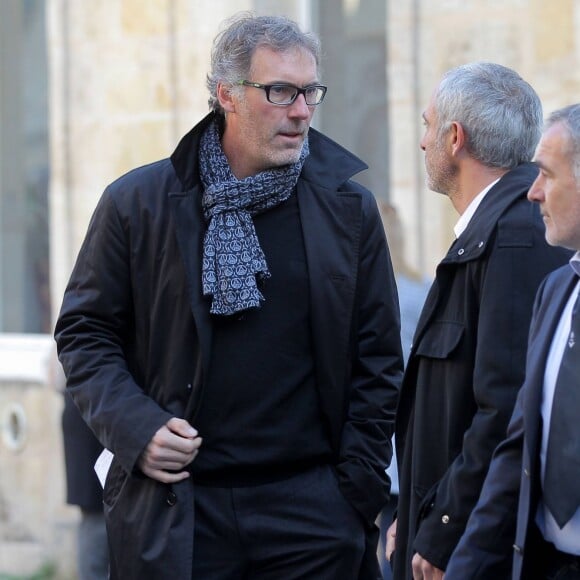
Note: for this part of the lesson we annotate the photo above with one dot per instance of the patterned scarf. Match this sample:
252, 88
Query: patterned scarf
233, 260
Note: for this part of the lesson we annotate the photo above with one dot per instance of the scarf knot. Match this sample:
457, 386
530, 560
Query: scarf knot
233, 261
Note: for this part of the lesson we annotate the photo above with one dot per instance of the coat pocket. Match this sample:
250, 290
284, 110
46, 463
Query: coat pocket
150, 534
114, 483
440, 340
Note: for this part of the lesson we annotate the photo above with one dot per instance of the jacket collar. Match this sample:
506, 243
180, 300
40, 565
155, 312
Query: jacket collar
185, 158
328, 164
512, 187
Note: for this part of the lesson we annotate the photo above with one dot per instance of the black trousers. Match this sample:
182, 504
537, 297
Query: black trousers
298, 528
558, 565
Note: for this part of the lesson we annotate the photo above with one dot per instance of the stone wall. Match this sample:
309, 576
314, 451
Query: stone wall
36, 527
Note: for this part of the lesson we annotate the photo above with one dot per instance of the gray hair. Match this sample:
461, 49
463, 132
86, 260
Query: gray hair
500, 113
570, 117
235, 45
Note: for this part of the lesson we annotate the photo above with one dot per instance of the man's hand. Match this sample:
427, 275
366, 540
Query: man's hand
391, 540
423, 570
173, 447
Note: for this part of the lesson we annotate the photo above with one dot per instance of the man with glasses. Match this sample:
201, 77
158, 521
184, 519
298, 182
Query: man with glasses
231, 334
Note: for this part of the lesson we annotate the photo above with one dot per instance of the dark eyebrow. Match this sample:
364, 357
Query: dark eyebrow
286, 84
540, 166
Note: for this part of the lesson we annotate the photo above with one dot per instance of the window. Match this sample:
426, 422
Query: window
355, 111
24, 169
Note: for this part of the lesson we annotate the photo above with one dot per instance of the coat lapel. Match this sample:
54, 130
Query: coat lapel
553, 304
189, 229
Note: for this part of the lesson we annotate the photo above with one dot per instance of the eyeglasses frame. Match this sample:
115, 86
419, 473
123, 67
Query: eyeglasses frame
299, 91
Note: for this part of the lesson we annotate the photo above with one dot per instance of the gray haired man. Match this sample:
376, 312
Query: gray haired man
230, 332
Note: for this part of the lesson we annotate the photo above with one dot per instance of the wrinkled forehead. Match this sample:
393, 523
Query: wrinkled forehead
266, 59
555, 145
556, 154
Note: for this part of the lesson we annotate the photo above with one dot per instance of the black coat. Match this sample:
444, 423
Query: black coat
501, 530
81, 449
466, 367
134, 337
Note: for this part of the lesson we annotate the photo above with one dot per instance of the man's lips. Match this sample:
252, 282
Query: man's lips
291, 134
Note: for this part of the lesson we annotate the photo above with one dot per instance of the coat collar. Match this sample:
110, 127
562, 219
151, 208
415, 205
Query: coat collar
508, 190
185, 158
328, 165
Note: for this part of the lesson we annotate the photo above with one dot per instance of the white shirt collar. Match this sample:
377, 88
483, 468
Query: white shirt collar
575, 262
466, 216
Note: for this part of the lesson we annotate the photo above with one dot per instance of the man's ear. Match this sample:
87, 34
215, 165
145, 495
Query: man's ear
457, 138
225, 98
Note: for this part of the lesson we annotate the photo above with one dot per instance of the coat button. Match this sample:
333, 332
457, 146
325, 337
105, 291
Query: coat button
171, 498
527, 472
480, 245
445, 519
461, 251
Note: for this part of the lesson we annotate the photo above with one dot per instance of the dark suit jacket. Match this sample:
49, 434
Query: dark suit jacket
134, 337
502, 514
466, 367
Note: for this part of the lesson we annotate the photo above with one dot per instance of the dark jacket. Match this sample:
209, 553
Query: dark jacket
134, 337
81, 449
487, 550
465, 368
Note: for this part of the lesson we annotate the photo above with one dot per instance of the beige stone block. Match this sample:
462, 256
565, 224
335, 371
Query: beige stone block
32, 481
139, 85
191, 72
145, 17
553, 29
139, 143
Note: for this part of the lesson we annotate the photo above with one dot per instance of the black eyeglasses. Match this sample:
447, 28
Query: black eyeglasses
283, 94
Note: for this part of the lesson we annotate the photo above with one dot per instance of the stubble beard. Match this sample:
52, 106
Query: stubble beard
441, 181
283, 157
441, 174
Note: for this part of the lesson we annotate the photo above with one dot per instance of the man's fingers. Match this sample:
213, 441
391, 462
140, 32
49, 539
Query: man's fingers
390, 543
182, 428
165, 476
173, 461
170, 451
175, 457
167, 440
424, 570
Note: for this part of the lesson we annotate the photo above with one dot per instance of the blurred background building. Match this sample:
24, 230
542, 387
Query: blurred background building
89, 90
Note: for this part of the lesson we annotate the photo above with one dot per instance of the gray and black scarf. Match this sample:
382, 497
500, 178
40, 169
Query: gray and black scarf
233, 260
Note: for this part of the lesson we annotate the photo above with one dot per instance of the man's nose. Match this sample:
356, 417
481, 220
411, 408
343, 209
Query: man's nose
536, 192
299, 108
